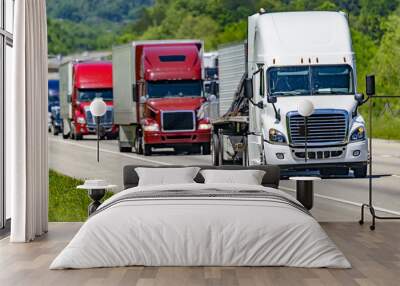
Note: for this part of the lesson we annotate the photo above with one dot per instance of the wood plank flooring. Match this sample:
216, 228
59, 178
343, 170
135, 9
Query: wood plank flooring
375, 257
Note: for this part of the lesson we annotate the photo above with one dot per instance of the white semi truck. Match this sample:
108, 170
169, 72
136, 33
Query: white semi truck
290, 59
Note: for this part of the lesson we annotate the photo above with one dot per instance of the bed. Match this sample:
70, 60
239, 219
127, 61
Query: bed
201, 224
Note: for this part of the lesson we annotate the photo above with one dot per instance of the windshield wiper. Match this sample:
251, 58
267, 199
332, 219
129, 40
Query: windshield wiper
328, 92
294, 92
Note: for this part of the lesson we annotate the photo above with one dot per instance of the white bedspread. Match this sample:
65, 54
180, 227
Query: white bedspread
200, 231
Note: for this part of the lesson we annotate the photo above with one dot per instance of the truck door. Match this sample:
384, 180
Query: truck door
255, 115
141, 89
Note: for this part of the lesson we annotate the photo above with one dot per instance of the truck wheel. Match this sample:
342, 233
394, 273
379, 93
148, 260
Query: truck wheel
138, 145
147, 149
328, 172
125, 149
112, 136
194, 149
55, 130
206, 149
78, 136
360, 172
215, 150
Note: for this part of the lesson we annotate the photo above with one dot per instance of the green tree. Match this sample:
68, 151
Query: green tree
386, 63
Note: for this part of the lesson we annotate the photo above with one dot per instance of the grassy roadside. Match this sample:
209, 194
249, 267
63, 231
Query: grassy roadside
66, 203
385, 127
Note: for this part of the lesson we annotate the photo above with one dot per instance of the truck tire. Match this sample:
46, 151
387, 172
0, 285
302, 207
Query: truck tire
55, 130
124, 149
206, 149
112, 136
66, 129
215, 150
328, 172
195, 149
360, 172
77, 136
138, 145
147, 149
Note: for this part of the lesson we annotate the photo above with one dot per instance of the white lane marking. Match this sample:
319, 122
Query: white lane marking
111, 152
346, 202
5, 238
396, 176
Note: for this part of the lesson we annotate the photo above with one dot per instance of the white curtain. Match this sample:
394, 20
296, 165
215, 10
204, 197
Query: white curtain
27, 123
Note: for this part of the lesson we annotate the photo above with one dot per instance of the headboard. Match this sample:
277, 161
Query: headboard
270, 179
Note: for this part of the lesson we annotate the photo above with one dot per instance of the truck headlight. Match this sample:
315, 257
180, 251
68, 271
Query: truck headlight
81, 120
153, 127
276, 136
205, 126
358, 134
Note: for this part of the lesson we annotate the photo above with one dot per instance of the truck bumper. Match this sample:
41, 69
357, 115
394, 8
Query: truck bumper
351, 155
171, 139
84, 129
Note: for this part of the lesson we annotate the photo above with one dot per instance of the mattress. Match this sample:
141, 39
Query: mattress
201, 225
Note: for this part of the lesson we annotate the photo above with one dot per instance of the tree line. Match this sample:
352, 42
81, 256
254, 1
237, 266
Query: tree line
375, 26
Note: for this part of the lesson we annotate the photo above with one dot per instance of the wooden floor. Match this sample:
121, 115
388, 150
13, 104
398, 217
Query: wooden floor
375, 257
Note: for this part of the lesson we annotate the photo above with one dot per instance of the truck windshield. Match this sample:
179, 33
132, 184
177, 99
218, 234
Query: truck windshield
86, 95
174, 88
310, 80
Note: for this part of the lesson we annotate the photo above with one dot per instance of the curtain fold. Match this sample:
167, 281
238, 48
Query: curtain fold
27, 123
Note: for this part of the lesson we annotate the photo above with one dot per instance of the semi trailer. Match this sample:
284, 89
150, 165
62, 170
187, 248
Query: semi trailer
159, 98
80, 83
289, 59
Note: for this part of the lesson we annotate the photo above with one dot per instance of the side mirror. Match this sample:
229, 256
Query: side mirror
248, 88
271, 99
359, 97
370, 85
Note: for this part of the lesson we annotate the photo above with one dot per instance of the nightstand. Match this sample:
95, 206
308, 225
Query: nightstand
96, 190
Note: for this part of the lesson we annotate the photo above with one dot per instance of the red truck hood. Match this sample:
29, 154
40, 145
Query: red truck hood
186, 103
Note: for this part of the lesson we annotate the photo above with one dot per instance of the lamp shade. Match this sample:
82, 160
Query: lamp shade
98, 107
305, 108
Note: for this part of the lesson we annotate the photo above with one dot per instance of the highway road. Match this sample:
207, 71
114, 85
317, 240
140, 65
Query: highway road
337, 199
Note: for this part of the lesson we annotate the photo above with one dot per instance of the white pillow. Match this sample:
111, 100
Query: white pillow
166, 176
247, 177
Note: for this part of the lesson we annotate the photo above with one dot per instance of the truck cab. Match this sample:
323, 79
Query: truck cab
296, 57
168, 98
292, 60
82, 82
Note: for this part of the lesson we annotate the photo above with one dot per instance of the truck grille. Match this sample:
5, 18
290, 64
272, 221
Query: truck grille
325, 127
178, 121
105, 120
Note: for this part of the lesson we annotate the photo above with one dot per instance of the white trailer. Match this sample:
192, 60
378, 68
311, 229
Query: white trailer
291, 59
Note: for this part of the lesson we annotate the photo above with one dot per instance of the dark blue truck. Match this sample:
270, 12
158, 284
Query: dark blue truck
54, 119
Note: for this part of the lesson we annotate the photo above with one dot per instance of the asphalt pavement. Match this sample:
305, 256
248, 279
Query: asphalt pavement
336, 199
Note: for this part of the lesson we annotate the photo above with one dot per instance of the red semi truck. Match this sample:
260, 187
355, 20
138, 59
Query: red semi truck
80, 83
158, 89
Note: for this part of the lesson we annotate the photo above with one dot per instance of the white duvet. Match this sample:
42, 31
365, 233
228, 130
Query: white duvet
200, 231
